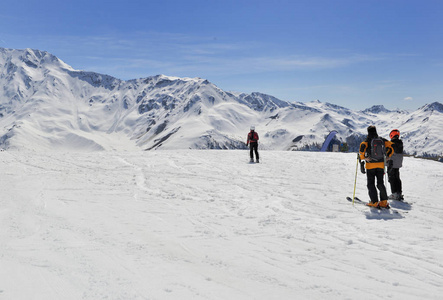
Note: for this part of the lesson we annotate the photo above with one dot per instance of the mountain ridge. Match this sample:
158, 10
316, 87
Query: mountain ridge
46, 104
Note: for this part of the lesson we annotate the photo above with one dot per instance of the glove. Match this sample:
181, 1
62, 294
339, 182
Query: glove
362, 167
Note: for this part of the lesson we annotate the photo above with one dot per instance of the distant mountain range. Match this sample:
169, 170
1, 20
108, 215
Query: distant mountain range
47, 105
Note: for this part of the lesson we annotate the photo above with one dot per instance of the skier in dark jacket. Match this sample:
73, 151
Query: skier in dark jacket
394, 165
375, 169
253, 144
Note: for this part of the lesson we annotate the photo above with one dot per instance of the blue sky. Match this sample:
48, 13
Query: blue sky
354, 53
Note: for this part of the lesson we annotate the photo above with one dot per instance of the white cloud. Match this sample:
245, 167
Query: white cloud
408, 99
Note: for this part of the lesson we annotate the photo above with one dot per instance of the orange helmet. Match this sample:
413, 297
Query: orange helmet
394, 133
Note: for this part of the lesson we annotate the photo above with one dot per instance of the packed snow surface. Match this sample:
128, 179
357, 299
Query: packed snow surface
201, 224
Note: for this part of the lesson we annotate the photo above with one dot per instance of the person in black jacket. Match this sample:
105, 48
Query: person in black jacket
394, 165
253, 144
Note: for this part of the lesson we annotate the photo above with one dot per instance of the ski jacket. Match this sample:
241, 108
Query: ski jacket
397, 157
364, 147
252, 137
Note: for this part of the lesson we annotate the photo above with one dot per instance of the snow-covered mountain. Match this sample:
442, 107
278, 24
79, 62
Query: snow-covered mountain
46, 104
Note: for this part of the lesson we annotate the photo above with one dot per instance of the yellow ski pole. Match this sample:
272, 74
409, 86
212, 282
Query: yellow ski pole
355, 181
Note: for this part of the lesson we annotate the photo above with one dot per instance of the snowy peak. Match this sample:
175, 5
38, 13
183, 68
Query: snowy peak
435, 106
37, 58
377, 109
174, 94
96, 79
262, 102
328, 107
31, 58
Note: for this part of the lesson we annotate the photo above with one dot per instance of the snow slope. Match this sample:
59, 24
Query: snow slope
205, 224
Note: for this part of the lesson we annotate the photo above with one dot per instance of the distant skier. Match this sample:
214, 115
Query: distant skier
394, 165
253, 144
374, 151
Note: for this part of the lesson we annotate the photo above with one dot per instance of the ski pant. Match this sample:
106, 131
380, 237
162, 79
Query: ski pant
253, 147
394, 180
371, 175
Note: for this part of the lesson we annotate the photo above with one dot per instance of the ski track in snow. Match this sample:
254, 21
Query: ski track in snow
196, 224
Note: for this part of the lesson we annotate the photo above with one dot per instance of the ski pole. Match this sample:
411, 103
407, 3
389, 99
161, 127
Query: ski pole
355, 181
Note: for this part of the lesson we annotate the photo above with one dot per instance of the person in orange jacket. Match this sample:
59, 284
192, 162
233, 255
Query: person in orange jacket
375, 167
252, 141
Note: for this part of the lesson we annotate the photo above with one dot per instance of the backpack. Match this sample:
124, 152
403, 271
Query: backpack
377, 150
253, 137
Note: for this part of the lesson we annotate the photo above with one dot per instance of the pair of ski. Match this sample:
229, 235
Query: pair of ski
361, 202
